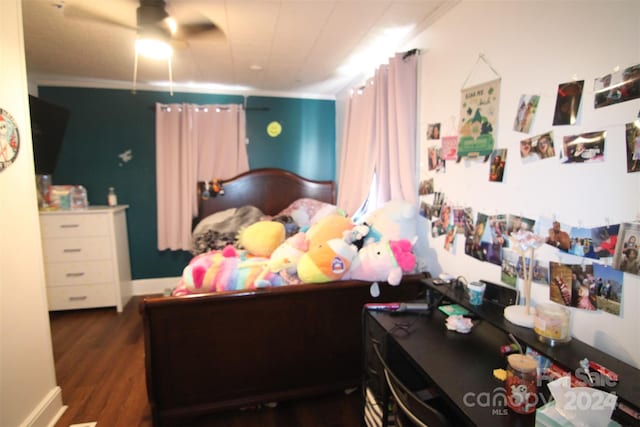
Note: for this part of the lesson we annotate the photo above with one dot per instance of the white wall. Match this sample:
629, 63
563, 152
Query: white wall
28, 392
534, 46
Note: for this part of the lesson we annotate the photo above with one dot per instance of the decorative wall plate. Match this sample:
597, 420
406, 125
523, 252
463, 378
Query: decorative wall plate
9, 140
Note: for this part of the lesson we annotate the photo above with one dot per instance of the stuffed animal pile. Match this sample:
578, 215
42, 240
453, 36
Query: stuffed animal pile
380, 248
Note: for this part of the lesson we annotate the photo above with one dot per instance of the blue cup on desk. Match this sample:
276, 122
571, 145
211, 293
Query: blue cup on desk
476, 292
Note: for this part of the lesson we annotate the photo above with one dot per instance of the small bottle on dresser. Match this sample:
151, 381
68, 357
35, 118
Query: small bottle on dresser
112, 199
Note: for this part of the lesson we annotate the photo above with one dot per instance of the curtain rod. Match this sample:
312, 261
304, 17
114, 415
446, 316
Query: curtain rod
153, 108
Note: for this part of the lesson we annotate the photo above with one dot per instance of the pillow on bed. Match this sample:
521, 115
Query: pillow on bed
217, 235
307, 211
211, 220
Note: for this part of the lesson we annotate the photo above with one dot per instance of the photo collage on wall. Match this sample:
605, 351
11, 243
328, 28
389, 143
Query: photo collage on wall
478, 121
612, 249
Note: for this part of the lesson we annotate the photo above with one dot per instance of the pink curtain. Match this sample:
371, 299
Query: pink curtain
193, 143
380, 138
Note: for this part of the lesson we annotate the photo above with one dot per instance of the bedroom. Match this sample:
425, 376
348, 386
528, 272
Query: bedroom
533, 49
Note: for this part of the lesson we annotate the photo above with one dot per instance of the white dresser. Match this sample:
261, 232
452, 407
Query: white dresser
86, 256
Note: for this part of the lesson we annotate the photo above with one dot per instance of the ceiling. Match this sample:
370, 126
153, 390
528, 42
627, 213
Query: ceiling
312, 48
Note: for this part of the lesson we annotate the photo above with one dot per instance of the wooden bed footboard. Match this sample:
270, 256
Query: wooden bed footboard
205, 353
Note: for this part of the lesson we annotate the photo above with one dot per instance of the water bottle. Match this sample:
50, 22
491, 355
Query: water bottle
112, 199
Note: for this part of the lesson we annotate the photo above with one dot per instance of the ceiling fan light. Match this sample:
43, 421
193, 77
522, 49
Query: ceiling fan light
153, 48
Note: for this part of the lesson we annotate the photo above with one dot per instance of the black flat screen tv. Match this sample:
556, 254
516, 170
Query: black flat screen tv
48, 126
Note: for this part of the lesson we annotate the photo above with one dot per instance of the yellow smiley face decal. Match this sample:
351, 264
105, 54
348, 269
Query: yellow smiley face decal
274, 129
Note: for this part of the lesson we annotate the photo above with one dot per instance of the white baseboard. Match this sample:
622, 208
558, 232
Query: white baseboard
47, 412
153, 286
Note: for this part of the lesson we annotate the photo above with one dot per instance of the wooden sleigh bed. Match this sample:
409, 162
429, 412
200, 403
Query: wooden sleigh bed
212, 352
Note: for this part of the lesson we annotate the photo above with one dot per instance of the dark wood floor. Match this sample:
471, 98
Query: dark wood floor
99, 360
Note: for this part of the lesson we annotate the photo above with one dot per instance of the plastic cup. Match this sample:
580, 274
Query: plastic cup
476, 292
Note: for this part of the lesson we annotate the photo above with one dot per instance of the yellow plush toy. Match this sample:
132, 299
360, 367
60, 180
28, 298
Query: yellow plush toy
262, 238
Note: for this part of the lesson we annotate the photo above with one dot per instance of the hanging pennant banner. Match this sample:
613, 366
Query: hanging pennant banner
478, 120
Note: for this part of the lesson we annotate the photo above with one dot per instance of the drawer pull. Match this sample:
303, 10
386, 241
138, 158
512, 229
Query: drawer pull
69, 225
82, 298
72, 250
75, 274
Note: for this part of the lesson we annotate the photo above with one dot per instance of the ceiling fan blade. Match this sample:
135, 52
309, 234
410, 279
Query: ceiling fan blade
74, 11
198, 28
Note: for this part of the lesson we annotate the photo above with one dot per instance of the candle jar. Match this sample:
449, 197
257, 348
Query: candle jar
552, 323
521, 383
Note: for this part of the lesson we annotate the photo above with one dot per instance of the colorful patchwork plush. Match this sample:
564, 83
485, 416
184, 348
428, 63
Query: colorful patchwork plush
225, 270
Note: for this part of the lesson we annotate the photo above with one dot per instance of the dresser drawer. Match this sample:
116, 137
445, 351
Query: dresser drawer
77, 249
85, 296
79, 273
74, 225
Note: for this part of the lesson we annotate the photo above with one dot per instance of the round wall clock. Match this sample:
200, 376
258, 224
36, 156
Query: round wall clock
9, 140
274, 129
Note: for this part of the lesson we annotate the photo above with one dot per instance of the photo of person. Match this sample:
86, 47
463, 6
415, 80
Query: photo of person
495, 232
473, 243
433, 131
586, 147
617, 87
604, 240
573, 285
557, 236
560, 276
580, 241
463, 220
540, 270
527, 153
426, 187
633, 146
543, 145
608, 283
450, 237
435, 161
568, 103
517, 223
526, 112
626, 256
497, 164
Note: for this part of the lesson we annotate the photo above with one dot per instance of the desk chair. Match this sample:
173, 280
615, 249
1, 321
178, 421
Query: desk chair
414, 411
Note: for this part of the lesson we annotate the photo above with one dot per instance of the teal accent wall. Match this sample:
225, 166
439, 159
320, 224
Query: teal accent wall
306, 145
105, 124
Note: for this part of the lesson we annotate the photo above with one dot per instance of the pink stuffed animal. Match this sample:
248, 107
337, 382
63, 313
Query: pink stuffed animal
382, 261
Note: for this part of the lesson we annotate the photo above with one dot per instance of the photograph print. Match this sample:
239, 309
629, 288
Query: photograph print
608, 288
626, 255
537, 147
604, 241
633, 146
497, 164
568, 103
526, 112
584, 148
617, 87
433, 131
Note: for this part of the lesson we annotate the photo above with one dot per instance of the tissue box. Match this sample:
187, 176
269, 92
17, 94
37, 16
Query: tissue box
548, 416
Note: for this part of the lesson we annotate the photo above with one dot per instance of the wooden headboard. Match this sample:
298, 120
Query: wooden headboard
269, 189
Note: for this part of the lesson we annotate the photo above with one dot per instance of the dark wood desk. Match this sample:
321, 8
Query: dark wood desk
461, 365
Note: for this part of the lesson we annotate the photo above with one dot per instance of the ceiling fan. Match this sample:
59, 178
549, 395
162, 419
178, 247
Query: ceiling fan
152, 21
157, 32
